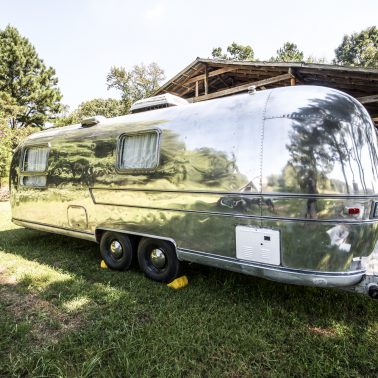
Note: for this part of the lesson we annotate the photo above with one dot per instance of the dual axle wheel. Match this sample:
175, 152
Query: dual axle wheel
157, 258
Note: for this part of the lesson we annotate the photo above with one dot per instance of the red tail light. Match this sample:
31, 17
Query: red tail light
353, 211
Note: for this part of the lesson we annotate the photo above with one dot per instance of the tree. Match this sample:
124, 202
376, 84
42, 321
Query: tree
240, 52
28, 89
315, 60
141, 82
5, 148
106, 107
359, 49
217, 53
9, 140
289, 52
235, 52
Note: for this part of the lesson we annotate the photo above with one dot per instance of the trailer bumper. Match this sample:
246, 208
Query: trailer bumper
276, 273
369, 282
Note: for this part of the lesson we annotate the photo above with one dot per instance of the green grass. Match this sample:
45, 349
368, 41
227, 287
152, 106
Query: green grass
63, 316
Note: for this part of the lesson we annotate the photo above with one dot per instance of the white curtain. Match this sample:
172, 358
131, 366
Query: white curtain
139, 151
34, 180
36, 159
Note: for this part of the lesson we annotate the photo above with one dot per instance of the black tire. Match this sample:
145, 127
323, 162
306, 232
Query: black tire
117, 256
165, 270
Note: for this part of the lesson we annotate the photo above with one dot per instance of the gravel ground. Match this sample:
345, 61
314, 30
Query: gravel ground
4, 194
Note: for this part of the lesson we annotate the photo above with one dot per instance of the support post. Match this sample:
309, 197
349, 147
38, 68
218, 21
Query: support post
292, 79
206, 83
197, 94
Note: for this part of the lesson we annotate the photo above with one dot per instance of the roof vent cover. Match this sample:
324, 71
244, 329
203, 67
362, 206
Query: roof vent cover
157, 102
92, 121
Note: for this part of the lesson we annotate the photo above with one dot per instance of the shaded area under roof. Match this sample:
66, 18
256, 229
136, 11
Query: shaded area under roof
205, 79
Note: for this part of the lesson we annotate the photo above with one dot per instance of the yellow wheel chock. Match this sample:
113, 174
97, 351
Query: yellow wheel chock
179, 283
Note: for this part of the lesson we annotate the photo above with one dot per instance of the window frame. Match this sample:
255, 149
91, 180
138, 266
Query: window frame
25, 173
120, 148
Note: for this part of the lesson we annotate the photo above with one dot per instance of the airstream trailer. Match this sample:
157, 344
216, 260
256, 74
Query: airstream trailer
280, 184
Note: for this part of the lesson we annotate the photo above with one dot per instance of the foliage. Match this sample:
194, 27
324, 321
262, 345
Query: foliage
315, 60
141, 82
359, 49
234, 52
9, 139
289, 52
5, 149
106, 107
28, 89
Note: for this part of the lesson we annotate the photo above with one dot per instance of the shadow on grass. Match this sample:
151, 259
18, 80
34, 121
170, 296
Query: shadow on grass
81, 258
238, 324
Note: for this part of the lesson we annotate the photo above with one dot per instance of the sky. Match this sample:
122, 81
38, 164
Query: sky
82, 39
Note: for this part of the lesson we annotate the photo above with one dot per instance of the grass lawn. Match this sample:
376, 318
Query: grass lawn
63, 316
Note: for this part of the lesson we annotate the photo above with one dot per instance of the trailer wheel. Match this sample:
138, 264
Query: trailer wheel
158, 260
117, 251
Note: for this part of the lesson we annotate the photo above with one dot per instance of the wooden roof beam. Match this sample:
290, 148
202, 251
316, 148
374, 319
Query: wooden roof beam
244, 87
368, 99
210, 74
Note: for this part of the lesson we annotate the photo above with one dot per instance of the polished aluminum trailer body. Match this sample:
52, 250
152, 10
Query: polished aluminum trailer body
299, 161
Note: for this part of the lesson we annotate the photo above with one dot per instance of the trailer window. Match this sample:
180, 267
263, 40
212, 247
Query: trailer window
139, 151
35, 159
39, 181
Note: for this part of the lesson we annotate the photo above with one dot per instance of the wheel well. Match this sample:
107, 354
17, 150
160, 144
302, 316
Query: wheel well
98, 235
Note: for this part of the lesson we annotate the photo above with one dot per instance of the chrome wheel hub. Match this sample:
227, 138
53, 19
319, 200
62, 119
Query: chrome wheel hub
158, 258
116, 249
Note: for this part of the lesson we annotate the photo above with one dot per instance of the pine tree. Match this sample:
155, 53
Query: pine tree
289, 52
359, 49
235, 51
29, 95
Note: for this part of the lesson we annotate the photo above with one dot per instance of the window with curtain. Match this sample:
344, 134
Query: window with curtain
34, 180
35, 159
139, 151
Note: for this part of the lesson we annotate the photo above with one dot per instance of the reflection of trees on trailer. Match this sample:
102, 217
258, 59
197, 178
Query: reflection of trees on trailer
280, 184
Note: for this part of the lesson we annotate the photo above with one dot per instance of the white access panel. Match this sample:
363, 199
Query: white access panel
258, 245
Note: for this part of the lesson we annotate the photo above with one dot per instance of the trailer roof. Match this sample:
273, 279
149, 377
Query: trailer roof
205, 79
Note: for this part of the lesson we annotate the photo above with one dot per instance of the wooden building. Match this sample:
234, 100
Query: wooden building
205, 79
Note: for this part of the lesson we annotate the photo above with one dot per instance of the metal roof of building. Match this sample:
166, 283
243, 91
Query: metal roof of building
205, 79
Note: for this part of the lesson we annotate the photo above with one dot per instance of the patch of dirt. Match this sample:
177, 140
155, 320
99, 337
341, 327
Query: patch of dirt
5, 280
48, 322
327, 332
4, 194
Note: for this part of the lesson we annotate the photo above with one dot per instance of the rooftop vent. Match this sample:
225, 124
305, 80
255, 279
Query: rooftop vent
91, 121
157, 102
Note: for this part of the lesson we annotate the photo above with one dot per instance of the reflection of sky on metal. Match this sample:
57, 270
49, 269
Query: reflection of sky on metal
279, 153
315, 108
240, 116
309, 104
